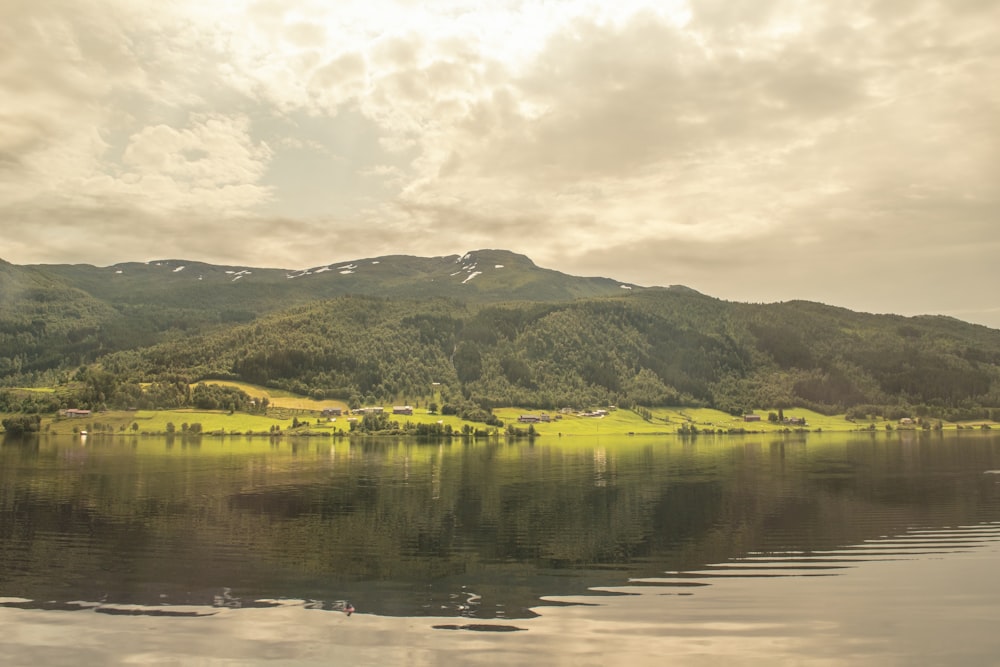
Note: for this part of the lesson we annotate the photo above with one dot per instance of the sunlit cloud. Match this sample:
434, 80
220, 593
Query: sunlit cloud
778, 134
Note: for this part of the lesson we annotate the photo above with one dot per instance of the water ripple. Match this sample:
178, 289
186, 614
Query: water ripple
917, 543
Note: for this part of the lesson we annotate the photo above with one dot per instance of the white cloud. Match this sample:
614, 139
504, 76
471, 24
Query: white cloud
213, 163
673, 129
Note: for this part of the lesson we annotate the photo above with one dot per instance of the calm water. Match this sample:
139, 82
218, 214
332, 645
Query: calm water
815, 549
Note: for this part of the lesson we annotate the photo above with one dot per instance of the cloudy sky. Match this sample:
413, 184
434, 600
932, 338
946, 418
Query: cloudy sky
765, 150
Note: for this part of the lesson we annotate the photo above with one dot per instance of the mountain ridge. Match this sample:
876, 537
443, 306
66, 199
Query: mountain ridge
478, 275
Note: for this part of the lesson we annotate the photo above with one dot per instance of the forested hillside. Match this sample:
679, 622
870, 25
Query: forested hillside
640, 347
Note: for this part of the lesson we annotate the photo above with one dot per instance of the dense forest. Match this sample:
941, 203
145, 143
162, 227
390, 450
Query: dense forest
579, 345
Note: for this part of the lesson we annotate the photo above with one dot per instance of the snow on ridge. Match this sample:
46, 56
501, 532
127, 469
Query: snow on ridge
498, 266
239, 275
348, 266
299, 273
346, 272
471, 276
625, 286
323, 269
179, 268
376, 262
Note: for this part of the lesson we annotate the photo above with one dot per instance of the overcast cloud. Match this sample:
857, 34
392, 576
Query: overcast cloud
845, 152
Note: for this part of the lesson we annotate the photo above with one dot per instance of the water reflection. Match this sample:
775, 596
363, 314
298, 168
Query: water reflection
471, 530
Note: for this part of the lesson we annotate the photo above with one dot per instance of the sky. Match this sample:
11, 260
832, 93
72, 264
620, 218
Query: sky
845, 152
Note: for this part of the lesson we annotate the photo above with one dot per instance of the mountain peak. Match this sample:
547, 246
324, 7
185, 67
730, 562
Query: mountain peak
497, 258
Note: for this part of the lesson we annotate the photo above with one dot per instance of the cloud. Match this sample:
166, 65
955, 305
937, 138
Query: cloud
659, 131
211, 164
709, 133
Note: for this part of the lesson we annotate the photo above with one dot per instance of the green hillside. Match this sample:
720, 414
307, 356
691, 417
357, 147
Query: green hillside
481, 331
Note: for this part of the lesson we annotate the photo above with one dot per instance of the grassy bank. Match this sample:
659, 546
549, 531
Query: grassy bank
292, 414
662, 421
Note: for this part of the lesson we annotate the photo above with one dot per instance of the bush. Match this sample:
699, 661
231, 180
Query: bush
22, 424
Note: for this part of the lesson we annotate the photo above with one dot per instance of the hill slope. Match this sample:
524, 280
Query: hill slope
490, 328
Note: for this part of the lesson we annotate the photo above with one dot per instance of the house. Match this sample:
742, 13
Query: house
402, 410
332, 412
529, 419
73, 412
376, 410
751, 418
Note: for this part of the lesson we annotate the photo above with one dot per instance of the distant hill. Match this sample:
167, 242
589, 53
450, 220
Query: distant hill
477, 276
488, 328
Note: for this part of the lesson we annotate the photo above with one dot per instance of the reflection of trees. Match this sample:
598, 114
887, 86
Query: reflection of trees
276, 521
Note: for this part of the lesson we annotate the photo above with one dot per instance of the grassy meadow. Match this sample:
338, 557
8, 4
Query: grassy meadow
286, 409
668, 420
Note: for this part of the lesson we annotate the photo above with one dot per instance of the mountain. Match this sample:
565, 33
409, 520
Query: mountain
490, 328
71, 314
477, 276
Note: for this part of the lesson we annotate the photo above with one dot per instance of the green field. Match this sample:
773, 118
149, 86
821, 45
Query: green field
287, 408
669, 420
280, 398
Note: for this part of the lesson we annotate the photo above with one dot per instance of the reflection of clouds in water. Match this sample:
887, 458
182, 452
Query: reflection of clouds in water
852, 618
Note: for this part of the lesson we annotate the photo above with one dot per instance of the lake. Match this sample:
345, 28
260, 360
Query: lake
827, 549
